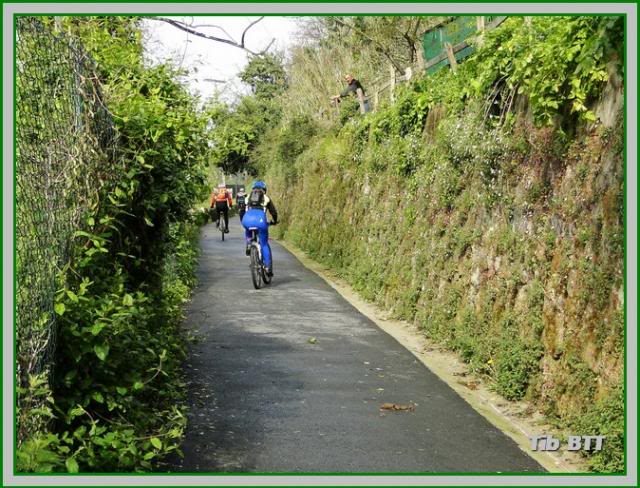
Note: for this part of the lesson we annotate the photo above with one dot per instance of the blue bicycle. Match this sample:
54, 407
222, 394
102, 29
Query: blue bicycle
259, 272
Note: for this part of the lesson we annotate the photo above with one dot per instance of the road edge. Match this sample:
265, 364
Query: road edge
446, 365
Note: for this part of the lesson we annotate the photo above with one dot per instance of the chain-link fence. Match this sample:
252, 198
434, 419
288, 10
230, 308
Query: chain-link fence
65, 152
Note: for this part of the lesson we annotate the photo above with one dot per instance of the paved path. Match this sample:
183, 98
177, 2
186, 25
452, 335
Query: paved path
263, 398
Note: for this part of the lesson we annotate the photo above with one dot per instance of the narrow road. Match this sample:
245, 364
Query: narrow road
291, 378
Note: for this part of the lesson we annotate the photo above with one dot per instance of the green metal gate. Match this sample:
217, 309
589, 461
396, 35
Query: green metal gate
456, 32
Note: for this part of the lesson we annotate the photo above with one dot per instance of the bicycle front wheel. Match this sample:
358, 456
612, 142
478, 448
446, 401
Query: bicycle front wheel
256, 268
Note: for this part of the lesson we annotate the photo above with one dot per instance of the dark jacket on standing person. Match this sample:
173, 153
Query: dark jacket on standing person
352, 87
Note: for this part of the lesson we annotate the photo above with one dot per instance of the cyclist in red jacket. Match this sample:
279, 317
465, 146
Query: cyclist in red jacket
223, 202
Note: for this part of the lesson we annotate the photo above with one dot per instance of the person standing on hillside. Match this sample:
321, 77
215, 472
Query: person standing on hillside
353, 86
222, 201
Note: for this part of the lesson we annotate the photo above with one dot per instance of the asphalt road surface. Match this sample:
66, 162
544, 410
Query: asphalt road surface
291, 378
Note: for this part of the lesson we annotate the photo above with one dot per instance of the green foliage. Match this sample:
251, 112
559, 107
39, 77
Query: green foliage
559, 63
295, 137
104, 399
606, 417
41, 453
515, 365
265, 75
113, 42
348, 108
237, 131
282, 145
117, 389
41, 450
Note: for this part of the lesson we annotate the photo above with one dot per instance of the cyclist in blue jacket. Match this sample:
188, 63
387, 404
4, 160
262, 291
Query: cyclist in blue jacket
256, 216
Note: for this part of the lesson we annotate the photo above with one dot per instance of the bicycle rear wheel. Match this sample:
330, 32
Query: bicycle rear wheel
256, 268
223, 227
265, 277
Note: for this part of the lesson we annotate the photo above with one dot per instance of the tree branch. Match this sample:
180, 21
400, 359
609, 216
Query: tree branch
249, 27
417, 26
191, 30
267, 48
380, 46
214, 27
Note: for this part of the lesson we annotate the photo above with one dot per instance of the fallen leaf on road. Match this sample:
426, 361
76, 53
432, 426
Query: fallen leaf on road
397, 407
313, 340
469, 384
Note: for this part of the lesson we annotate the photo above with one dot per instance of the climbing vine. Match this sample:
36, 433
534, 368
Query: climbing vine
557, 62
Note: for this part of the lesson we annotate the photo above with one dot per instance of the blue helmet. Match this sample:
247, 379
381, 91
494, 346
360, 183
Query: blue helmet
260, 184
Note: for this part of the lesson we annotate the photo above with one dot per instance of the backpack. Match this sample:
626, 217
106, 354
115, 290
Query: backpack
240, 199
256, 198
222, 194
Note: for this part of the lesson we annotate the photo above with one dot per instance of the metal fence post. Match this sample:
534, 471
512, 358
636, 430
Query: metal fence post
452, 59
360, 94
481, 28
421, 61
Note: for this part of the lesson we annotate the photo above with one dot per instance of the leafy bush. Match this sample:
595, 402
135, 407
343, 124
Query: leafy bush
606, 417
42, 451
559, 63
295, 137
515, 364
117, 391
348, 109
